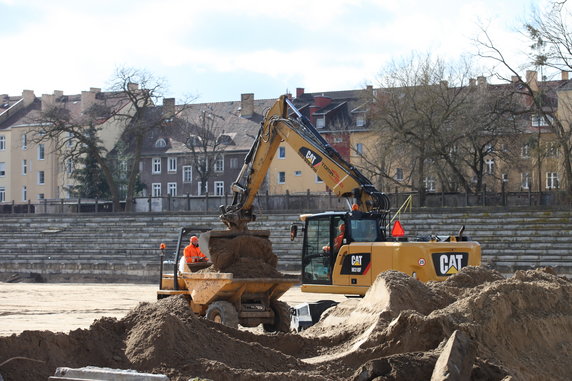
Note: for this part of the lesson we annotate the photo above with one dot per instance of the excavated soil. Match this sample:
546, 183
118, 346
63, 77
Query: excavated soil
521, 328
245, 256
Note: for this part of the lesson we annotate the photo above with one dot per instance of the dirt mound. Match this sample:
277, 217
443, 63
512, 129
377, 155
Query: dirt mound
246, 256
520, 327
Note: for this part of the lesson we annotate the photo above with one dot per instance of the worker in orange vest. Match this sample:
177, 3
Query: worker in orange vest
193, 252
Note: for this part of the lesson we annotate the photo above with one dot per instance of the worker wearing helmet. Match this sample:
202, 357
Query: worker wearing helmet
340, 237
193, 252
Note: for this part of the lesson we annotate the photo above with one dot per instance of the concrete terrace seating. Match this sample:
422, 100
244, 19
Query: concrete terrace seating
124, 247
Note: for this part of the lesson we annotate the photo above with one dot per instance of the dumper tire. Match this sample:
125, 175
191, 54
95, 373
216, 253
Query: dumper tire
224, 313
282, 318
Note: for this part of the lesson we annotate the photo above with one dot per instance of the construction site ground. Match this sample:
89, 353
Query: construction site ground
515, 328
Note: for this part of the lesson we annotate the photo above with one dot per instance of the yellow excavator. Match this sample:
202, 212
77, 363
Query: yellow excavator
335, 261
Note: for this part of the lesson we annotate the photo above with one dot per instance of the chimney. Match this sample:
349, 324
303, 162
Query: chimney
531, 79
514, 79
246, 105
564, 75
58, 94
87, 100
95, 90
168, 107
481, 81
28, 96
132, 86
369, 90
472, 82
444, 84
48, 101
299, 92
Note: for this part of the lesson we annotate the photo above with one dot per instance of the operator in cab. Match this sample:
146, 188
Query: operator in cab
193, 252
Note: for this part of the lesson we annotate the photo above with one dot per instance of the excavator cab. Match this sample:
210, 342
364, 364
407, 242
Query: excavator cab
326, 233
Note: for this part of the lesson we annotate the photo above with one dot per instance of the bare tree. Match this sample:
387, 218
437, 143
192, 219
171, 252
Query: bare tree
206, 140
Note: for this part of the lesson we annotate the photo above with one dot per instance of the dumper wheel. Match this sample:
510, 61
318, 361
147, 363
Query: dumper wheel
282, 318
224, 313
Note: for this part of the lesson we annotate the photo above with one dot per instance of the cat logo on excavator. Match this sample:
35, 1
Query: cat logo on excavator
449, 263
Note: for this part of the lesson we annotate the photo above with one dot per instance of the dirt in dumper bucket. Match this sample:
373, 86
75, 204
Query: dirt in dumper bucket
520, 327
246, 256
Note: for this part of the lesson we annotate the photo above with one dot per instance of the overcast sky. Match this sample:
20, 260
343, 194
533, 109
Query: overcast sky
217, 49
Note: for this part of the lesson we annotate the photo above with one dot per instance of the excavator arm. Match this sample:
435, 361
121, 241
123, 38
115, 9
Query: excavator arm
297, 131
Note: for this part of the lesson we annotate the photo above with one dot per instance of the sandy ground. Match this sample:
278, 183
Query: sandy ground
61, 307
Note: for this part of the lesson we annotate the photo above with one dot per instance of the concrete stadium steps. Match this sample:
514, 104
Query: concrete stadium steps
120, 247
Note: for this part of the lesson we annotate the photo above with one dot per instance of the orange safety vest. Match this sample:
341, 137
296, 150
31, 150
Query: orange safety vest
193, 254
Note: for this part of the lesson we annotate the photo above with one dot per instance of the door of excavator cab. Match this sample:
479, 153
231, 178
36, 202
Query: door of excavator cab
323, 237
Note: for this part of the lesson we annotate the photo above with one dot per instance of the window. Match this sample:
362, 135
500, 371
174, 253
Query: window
538, 121
504, 177
202, 164
194, 141
219, 164
552, 149
156, 188
359, 148
41, 178
24, 167
172, 189
2, 169
24, 193
69, 141
399, 174
319, 180
490, 163
24, 142
69, 166
524, 180
172, 164
429, 183
156, 166
281, 177
219, 188
187, 174
160, 143
233, 163
2, 194
552, 180
41, 196
2, 142
360, 121
281, 152
200, 190
337, 140
321, 122
525, 151
297, 173
224, 139
41, 152
489, 148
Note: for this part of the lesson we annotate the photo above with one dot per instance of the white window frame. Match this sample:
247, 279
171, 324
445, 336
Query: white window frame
338, 140
172, 189
399, 174
199, 183
490, 163
41, 178
552, 180
41, 196
172, 164
359, 148
69, 166
2, 194
321, 122
156, 166
41, 152
318, 180
24, 167
219, 188
504, 177
24, 141
525, 180
297, 173
2, 142
429, 182
69, 142
281, 177
187, 174
219, 164
538, 120
281, 152
2, 169
360, 120
233, 162
525, 151
156, 189
24, 193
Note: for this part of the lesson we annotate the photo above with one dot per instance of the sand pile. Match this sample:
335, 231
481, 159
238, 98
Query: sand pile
246, 256
519, 327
